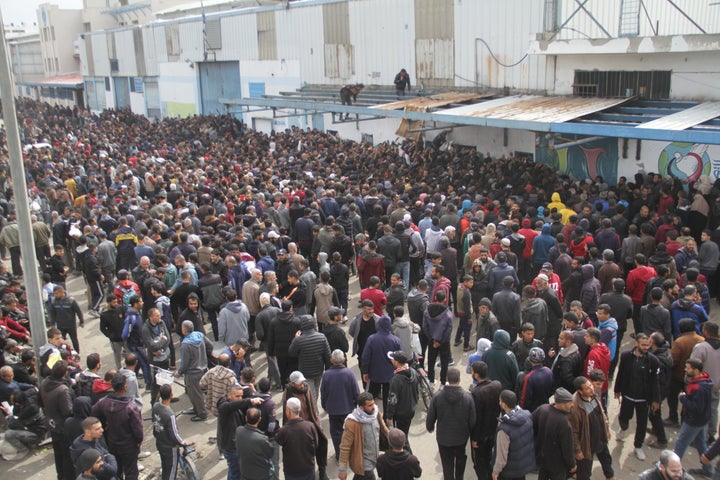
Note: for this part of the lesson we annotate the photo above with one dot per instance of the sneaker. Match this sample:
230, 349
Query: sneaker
640, 454
456, 343
188, 412
142, 455
141, 467
93, 313
197, 418
467, 349
622, 434
452, 362
657, 444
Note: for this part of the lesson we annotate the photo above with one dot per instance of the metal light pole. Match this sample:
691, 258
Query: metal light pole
22, 203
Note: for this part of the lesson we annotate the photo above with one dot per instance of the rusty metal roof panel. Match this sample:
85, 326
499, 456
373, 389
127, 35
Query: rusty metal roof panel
537, 108
686, 118
433, 101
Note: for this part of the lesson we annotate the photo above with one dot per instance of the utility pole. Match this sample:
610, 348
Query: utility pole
22, 203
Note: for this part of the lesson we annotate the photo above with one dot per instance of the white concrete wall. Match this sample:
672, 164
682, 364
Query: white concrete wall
694, 75
137, 103
178, 87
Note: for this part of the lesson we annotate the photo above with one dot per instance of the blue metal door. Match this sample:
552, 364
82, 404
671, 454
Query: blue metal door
318, 122
122, 92
218, 80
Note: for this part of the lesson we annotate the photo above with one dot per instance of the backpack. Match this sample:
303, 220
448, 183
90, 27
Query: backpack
128, 293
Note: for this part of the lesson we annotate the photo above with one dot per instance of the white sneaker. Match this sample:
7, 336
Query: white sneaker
142, 455
622, 434
640, 454
141, 467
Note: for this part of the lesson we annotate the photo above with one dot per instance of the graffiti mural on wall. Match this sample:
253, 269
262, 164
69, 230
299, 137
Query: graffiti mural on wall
688, 161
599, 157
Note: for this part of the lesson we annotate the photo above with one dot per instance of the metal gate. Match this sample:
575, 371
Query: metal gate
218, 80
122, 92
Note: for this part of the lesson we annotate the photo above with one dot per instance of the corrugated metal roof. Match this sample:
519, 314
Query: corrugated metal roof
72, 80
536, 108
686, 118
433, 101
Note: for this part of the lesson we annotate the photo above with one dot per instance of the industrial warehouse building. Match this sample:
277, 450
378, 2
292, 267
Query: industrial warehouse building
594, 87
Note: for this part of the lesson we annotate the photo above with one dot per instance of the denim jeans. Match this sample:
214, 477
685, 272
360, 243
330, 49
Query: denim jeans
692, 436
403, 268
233, 462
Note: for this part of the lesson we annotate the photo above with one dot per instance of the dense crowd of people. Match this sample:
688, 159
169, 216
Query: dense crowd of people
189, 231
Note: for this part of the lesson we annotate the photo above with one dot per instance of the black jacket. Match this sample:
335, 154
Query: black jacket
403, 394
554, 450
336, 337
256, 454
112, 322
454, 410
281, 333
398, 466
230, 416
637, 377
487, 409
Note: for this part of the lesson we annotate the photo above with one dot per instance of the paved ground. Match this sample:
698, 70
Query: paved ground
213, 466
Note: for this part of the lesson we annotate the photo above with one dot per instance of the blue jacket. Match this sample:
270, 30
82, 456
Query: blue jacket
542, 244
608, 335
266, 264
338, 390
517, 424
684, 308
375, 361
498, 272
540, 385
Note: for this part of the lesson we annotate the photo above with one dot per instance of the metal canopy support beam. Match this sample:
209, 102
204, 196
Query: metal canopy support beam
577, 142
350, 120
592, 17
567, 20
574, 127
682, 12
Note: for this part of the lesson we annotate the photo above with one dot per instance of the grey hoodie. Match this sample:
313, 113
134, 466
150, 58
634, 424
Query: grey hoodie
233, 322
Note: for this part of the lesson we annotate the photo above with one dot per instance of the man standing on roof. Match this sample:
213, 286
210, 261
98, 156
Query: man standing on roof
402, 81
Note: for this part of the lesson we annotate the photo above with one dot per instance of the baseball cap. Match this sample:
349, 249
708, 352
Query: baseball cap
536, 355
282, 251
399, 356
273, 234
296, 377
547, 266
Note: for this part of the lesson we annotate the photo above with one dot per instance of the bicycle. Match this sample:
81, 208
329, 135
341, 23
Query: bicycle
425, 388
187, 469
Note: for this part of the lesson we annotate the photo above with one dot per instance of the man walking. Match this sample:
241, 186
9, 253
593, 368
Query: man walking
486, 395
360, 444
56, 398
708, 352
403, 395
122, 421
454, 411
299, 440
338, 392
312, 351
514, 452
167, 437
63, 313
590, 431
256, 454
554, 450
695, 402
437, 327
157, 339
637, 384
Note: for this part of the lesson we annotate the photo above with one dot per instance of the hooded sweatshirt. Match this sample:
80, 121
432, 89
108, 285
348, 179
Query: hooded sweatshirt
438, 322
608, 335
590, 291
233, 322
375, 361
501, 361
403, 395
81, 410
122, 420
542, 244
404, 330
192, 354
708, 352
598, 357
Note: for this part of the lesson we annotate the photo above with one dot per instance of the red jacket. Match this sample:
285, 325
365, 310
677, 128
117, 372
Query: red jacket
598, 357
529, 235
376, 296
636, 281
14, 329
